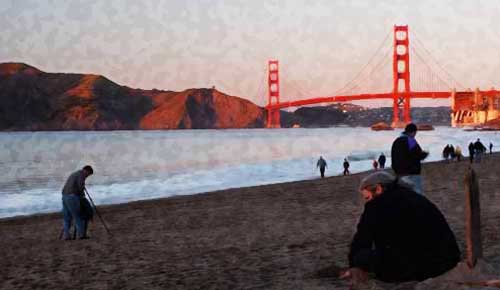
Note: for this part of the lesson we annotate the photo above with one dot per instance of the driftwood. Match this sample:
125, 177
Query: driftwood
473, 240
489, 283
474, 272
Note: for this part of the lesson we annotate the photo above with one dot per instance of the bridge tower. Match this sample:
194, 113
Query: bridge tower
273, 82
401, 76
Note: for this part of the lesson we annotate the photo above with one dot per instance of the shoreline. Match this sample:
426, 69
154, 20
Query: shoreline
192, 195
159, 199
40, 214
277, 236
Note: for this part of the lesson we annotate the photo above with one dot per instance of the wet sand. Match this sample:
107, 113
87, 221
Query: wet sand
282, 236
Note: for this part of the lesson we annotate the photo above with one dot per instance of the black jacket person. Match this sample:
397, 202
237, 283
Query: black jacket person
406, 153
322, 165
406, 157
401, 235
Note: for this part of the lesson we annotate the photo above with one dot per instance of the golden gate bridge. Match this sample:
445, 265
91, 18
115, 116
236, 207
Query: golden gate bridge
426, 83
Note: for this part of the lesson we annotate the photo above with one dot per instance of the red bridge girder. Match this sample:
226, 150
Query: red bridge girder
338, 99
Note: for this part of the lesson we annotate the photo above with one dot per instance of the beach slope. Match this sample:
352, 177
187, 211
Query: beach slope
282, 236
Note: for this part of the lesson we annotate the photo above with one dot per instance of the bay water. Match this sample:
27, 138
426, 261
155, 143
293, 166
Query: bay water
136, 165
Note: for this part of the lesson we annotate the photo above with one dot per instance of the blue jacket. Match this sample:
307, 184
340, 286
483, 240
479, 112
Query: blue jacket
406, 155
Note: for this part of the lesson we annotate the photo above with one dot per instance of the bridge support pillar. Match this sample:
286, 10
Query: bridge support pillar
401, 77
273, 110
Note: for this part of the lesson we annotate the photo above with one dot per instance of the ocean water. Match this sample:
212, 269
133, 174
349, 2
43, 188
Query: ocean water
135, 165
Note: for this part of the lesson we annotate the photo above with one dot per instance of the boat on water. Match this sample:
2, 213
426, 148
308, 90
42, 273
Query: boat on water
381, 126
425, 127
384, 126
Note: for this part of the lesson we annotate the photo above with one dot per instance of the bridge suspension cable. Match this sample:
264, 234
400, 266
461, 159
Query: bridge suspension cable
261, 93
371, 77
452, 80
431, 80
352, 83
295, 86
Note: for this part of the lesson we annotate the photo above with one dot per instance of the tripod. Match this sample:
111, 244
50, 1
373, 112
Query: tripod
98, 214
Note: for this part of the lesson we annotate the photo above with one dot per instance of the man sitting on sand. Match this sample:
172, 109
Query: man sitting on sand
72, 193
401, 235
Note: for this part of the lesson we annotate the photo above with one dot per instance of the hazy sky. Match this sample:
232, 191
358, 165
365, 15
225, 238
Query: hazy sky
180, 44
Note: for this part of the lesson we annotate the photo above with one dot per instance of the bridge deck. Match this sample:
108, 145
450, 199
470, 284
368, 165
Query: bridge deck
334, 99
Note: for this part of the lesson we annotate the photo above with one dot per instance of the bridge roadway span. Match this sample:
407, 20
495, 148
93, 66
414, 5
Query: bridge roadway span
318, 100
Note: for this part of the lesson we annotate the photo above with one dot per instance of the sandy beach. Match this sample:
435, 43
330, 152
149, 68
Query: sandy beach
283, 236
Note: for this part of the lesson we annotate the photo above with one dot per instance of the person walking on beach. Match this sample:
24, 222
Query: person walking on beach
479, 150
458, 153
452, 152
72, 195
471, 152
446, 152
381, 160
346, 167
401, 235
491, 148
406, 157
322, 165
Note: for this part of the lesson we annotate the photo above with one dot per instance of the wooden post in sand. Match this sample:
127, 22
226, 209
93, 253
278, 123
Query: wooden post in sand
472, 219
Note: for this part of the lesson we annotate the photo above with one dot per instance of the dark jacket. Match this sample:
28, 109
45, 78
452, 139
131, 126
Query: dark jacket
471, 149
479, 147
406, 161
75, 184
381, 159
410, 236
321, 163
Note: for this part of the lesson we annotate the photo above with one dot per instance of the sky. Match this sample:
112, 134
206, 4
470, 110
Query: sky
177, 44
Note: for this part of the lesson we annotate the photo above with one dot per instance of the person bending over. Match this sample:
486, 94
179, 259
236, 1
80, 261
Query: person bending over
72, 193
401, 235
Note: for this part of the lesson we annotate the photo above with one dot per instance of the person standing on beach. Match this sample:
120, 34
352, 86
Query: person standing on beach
452, 152
401, 235
375, 165
346, 167
479, 150
381, 160
72, 193
406, 157
458, 153
322, 165
491, 148
446, 152
471, 152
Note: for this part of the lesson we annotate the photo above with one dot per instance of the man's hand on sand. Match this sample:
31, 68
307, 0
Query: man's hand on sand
356, 275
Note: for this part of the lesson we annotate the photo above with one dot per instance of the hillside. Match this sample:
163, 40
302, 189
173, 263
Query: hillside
352, 115
31, 99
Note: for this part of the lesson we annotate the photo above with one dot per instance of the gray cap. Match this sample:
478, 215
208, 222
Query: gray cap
379, 177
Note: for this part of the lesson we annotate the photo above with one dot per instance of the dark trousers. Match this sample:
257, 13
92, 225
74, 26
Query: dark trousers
388, 267
396, 266
72, 212
322, 171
